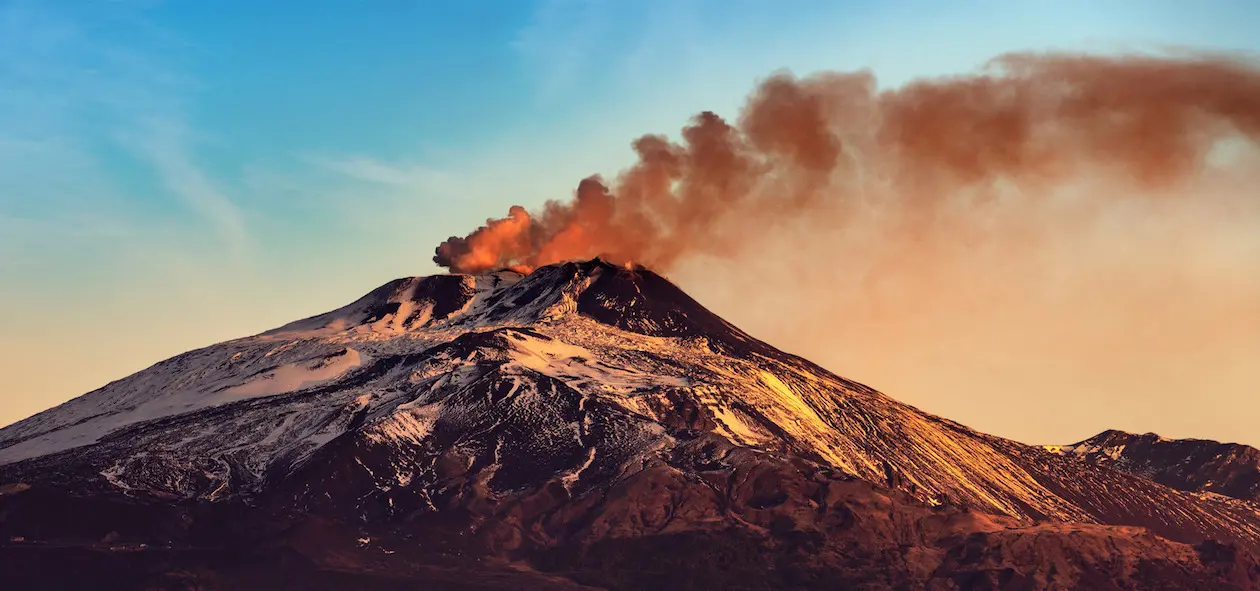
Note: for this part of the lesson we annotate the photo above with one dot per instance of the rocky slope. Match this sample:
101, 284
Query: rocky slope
1195, 465
585, 424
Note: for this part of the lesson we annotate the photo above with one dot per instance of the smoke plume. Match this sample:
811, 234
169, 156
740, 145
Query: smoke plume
834, 145
1071, 231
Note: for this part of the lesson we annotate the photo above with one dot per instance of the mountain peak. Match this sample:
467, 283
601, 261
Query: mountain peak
626, 296
1193, 465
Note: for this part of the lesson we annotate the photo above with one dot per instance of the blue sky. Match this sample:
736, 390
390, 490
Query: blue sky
174, 174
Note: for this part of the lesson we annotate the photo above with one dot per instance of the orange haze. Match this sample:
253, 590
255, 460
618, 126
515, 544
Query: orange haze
1091, 216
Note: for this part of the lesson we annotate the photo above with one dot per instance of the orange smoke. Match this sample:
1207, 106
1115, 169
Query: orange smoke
832, 145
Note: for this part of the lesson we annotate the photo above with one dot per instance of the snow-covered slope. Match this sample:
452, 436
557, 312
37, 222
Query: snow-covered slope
572, 374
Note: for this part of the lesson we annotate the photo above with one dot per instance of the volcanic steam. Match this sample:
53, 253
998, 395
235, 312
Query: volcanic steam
836, 146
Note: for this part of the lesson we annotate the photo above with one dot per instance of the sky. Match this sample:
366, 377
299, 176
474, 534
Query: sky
175, 174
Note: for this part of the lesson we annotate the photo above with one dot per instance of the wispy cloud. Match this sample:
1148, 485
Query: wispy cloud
76, 103
164, 144
561, 41
373, 170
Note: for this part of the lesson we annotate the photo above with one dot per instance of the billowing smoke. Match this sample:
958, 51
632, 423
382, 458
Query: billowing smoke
1054, 246
834, 145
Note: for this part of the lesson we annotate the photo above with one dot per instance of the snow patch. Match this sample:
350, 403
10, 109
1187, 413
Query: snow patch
410, 424
114, 474
538, 354
292, 377
572, 478
733, 423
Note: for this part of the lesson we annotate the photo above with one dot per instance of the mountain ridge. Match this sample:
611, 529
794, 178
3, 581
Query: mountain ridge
1190, 464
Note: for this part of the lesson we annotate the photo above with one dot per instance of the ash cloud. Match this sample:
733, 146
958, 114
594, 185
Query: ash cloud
833, 145
1054, 246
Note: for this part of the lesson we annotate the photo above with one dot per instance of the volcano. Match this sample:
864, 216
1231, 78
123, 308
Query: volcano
586, 425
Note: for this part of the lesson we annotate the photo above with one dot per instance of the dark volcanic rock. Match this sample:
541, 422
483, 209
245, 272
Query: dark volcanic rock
758, 521
1197, 465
